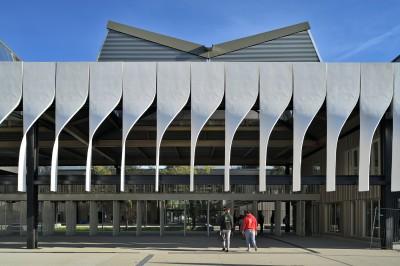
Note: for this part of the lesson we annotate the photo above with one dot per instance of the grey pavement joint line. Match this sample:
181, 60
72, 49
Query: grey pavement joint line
145, 260
312, 252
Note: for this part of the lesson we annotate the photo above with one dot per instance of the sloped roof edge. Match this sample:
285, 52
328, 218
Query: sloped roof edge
238, 44
178, 44
201, 50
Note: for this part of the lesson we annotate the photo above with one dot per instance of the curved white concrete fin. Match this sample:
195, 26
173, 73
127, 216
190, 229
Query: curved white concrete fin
276, 87
72, 87
10, 88
207, 93
309, 91
173, 90
375, 97
343, 91
139, 91
396, 131
38, 84
241, 92
104, 95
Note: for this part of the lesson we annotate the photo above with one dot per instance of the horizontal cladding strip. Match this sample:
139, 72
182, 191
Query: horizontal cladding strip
236, 179
160, 196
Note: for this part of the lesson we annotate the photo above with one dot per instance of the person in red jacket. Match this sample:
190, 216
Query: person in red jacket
249, 230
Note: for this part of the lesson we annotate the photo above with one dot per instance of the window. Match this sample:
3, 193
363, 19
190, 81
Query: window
375, 167
351, 163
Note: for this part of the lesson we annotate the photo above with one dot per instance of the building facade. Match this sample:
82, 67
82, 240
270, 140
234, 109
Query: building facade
138, 141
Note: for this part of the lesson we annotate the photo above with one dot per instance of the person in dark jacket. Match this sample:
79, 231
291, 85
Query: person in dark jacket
226, 225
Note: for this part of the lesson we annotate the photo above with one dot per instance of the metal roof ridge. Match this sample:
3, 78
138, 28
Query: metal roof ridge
203, 51
237, 44
178, 44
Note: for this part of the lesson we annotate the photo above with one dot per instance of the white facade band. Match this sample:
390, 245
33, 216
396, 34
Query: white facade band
72, 87
241, 92
104, 95
38, 95
343, 91
276, 87
375, 97
139, 91
173, 90
375, 86
309, 90
207, 92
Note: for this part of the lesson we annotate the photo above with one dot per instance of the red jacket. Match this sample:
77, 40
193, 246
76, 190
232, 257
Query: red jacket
249, 222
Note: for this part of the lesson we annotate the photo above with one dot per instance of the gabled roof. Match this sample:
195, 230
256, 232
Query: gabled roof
234, 45
397, 59
165, 40
201, 50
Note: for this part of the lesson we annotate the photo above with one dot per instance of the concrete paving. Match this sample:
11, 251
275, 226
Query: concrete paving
198, 250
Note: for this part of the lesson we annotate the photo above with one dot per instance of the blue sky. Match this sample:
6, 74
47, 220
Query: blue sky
73, 30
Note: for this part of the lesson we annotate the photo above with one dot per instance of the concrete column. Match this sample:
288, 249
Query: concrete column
93, 217
9, 213
324, 218
287, 216
70, 217
116, 212
255, 208
184, 217
22, 217
48, 217
300, 218
363, 218
278, 218
139, 205
162, 213
208, 218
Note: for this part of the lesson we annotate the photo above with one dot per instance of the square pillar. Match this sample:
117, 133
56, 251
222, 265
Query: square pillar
208, 218
22, 218
116, 219
278, 218
287, 216
255, 208
70, 217
162, 213
48, 217
93, 217
139, 205
300, 218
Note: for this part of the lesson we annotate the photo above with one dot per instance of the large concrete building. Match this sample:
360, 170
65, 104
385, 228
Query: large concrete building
138, 141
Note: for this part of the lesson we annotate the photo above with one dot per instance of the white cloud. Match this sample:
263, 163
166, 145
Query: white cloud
371, 42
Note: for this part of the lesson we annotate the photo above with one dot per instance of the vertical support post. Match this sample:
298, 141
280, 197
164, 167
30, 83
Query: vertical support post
287, 216
70, 217
387, 197
32, 202
255, 208
48, 215
139, 204
116, 219
162, 217
300, 218
22, 218
184, 217
93, 217
208, 218
278, 218
145, 213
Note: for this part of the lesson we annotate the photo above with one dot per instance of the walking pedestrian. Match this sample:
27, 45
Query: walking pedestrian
249, 230
226, 225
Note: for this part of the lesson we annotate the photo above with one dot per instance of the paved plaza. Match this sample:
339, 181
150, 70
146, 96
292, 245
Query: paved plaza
199, 250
